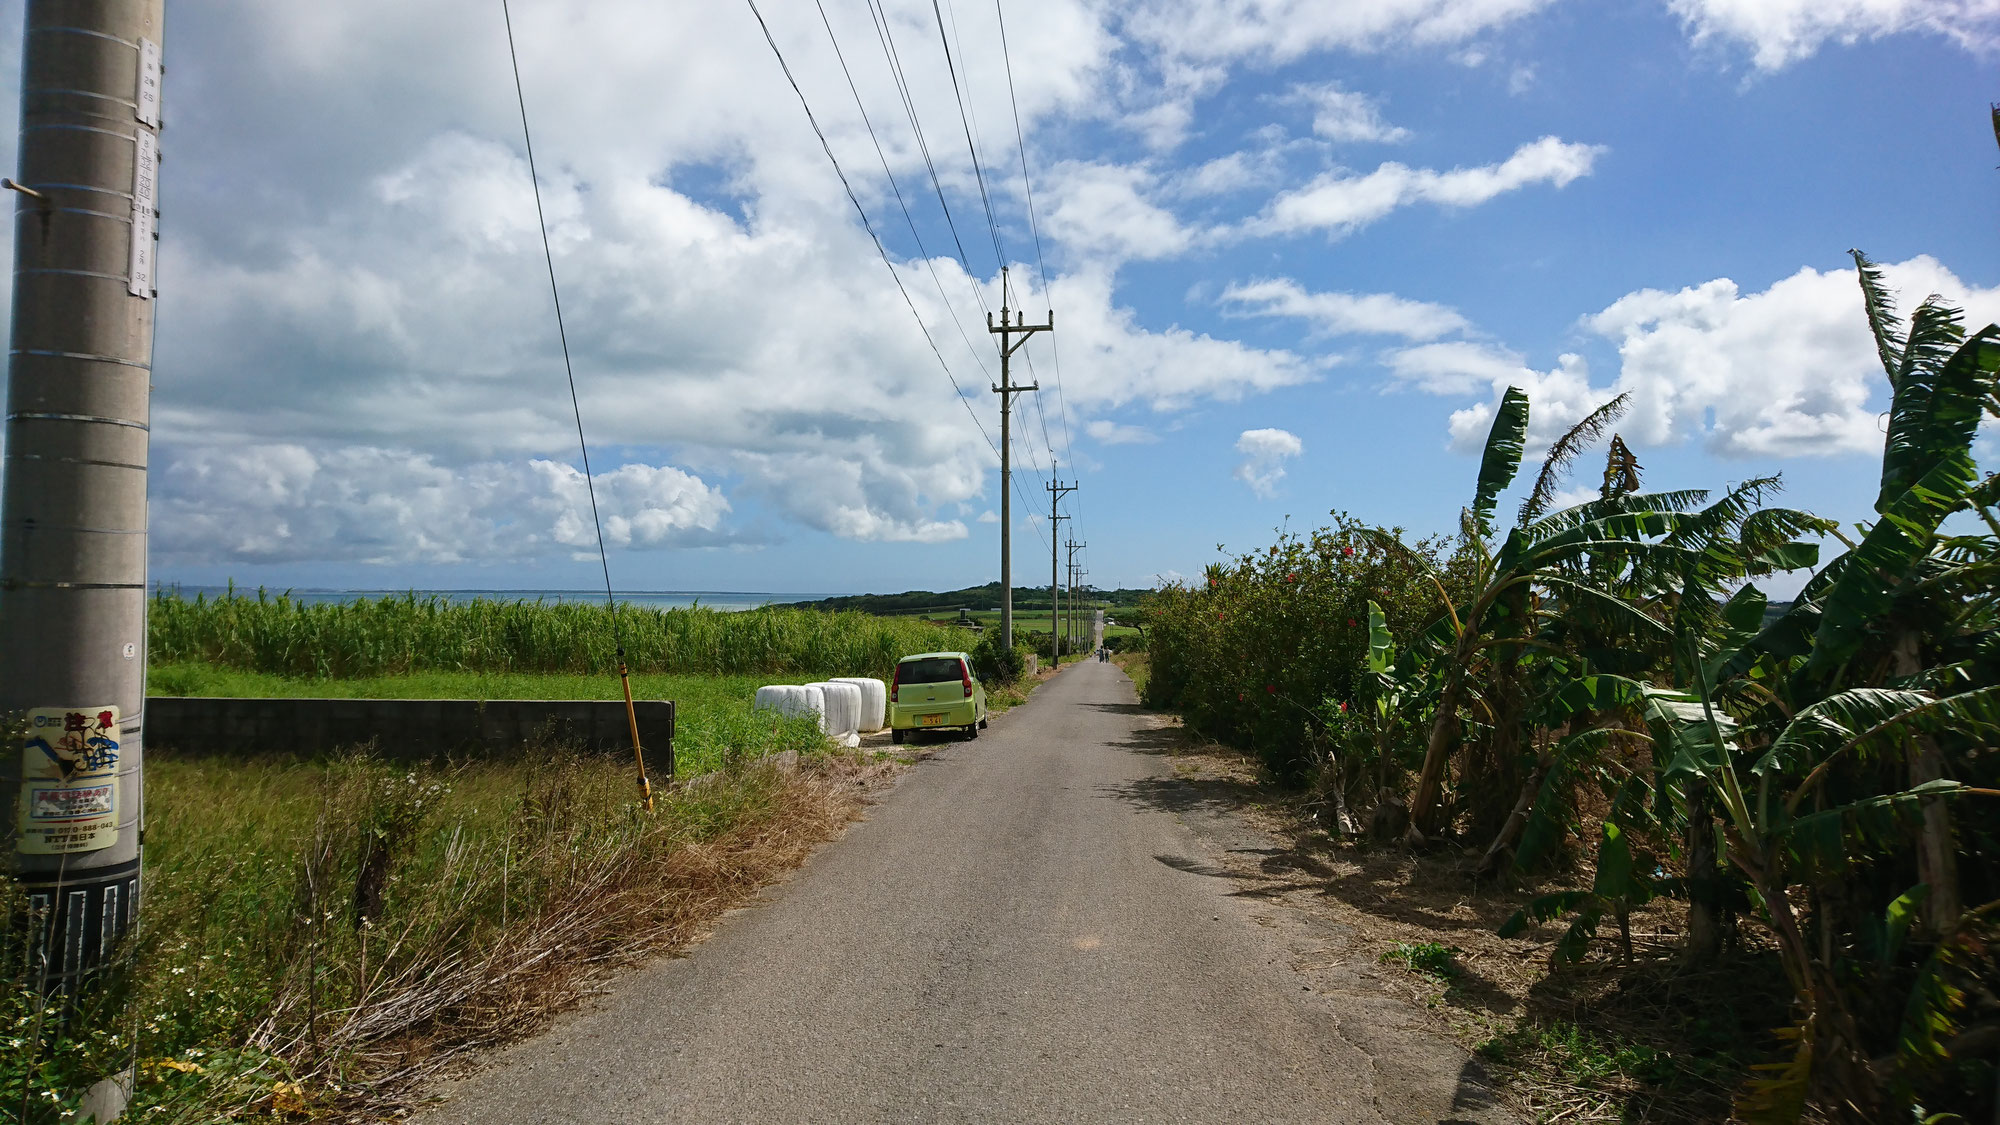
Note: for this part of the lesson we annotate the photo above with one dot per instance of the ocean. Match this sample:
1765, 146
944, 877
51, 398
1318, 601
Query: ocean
730, 600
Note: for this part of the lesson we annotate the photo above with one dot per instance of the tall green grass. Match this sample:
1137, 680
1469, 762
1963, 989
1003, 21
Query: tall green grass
397, 635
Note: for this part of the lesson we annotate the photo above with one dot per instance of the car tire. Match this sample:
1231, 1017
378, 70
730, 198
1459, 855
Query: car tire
972, 731
982, 724
896, 737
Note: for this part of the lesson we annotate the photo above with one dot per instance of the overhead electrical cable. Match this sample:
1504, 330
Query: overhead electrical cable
1041, 263
977, 356
894, 59
978, 174
869, 226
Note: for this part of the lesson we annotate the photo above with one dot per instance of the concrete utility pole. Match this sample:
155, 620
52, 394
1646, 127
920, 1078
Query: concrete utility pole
1056, 489
1008, 329
1070, 619
73, 513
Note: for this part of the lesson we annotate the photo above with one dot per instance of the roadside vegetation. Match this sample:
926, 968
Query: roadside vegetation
323, 933
399, 635
1594, 710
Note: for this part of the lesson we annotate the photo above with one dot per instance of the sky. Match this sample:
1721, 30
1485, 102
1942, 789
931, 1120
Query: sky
1295, 251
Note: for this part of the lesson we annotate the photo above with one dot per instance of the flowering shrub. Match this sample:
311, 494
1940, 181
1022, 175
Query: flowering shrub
1251, 653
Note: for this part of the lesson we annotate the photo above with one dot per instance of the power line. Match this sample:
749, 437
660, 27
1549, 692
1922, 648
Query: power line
895, 61
1041, 263
893, 186
978, 174
869, 226
893, 58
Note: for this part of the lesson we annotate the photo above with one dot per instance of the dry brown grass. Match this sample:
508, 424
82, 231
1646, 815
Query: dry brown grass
604, 922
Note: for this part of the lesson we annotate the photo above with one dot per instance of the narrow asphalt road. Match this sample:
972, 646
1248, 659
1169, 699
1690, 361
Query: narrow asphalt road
1029, 928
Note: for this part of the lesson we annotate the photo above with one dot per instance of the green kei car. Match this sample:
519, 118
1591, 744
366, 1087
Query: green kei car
934, 690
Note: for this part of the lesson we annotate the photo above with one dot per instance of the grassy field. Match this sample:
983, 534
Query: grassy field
322, 933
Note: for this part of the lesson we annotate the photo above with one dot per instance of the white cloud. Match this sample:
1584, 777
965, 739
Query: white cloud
1279, 31
1559, 398
1780, 32
1113, 433
287, 503
1341, 115
1169, 369
1788, 371
989, 516
1264, 455
1102, 210
1340, 314
1337, 202
376, 282
1222, 175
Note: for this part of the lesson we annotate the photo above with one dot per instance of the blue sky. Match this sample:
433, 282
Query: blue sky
1295, 251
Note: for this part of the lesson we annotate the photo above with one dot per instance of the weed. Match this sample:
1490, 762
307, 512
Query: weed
1427, 958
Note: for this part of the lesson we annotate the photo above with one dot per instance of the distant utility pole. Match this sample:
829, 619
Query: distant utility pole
1056, 490
1008, 329
73, 509
1070, 618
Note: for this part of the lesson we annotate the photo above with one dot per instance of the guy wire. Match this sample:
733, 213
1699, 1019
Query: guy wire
562, 334
576, 408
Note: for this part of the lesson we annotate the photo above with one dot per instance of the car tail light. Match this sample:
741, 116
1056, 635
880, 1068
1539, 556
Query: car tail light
967, 673
895, 683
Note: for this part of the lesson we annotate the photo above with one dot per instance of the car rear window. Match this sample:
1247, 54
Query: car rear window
932, 670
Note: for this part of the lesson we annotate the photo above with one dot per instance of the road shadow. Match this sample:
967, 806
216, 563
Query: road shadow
1385, 881
1155, 740
1471, 989
1180, 795
1474, 1094
1195, 866
1118, 708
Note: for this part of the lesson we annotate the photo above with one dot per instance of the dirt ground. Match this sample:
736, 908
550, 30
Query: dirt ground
1596, 1041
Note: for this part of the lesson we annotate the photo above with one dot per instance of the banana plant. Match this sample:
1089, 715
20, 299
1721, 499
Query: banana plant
1619, 564
1784, 822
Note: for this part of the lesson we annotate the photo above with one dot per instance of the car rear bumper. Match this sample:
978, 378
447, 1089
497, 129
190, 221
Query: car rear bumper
912, 716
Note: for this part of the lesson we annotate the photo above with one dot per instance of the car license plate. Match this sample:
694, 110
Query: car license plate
930, 720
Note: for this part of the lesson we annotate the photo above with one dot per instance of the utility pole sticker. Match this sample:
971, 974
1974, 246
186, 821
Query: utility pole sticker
146, 107
69, 780
145, 184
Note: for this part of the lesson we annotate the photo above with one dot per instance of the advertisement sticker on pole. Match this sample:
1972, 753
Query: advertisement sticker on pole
69, 780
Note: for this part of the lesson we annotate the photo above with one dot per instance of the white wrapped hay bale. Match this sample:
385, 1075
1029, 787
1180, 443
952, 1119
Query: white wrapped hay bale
840, 711
874, 701
791, 699
776, 697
